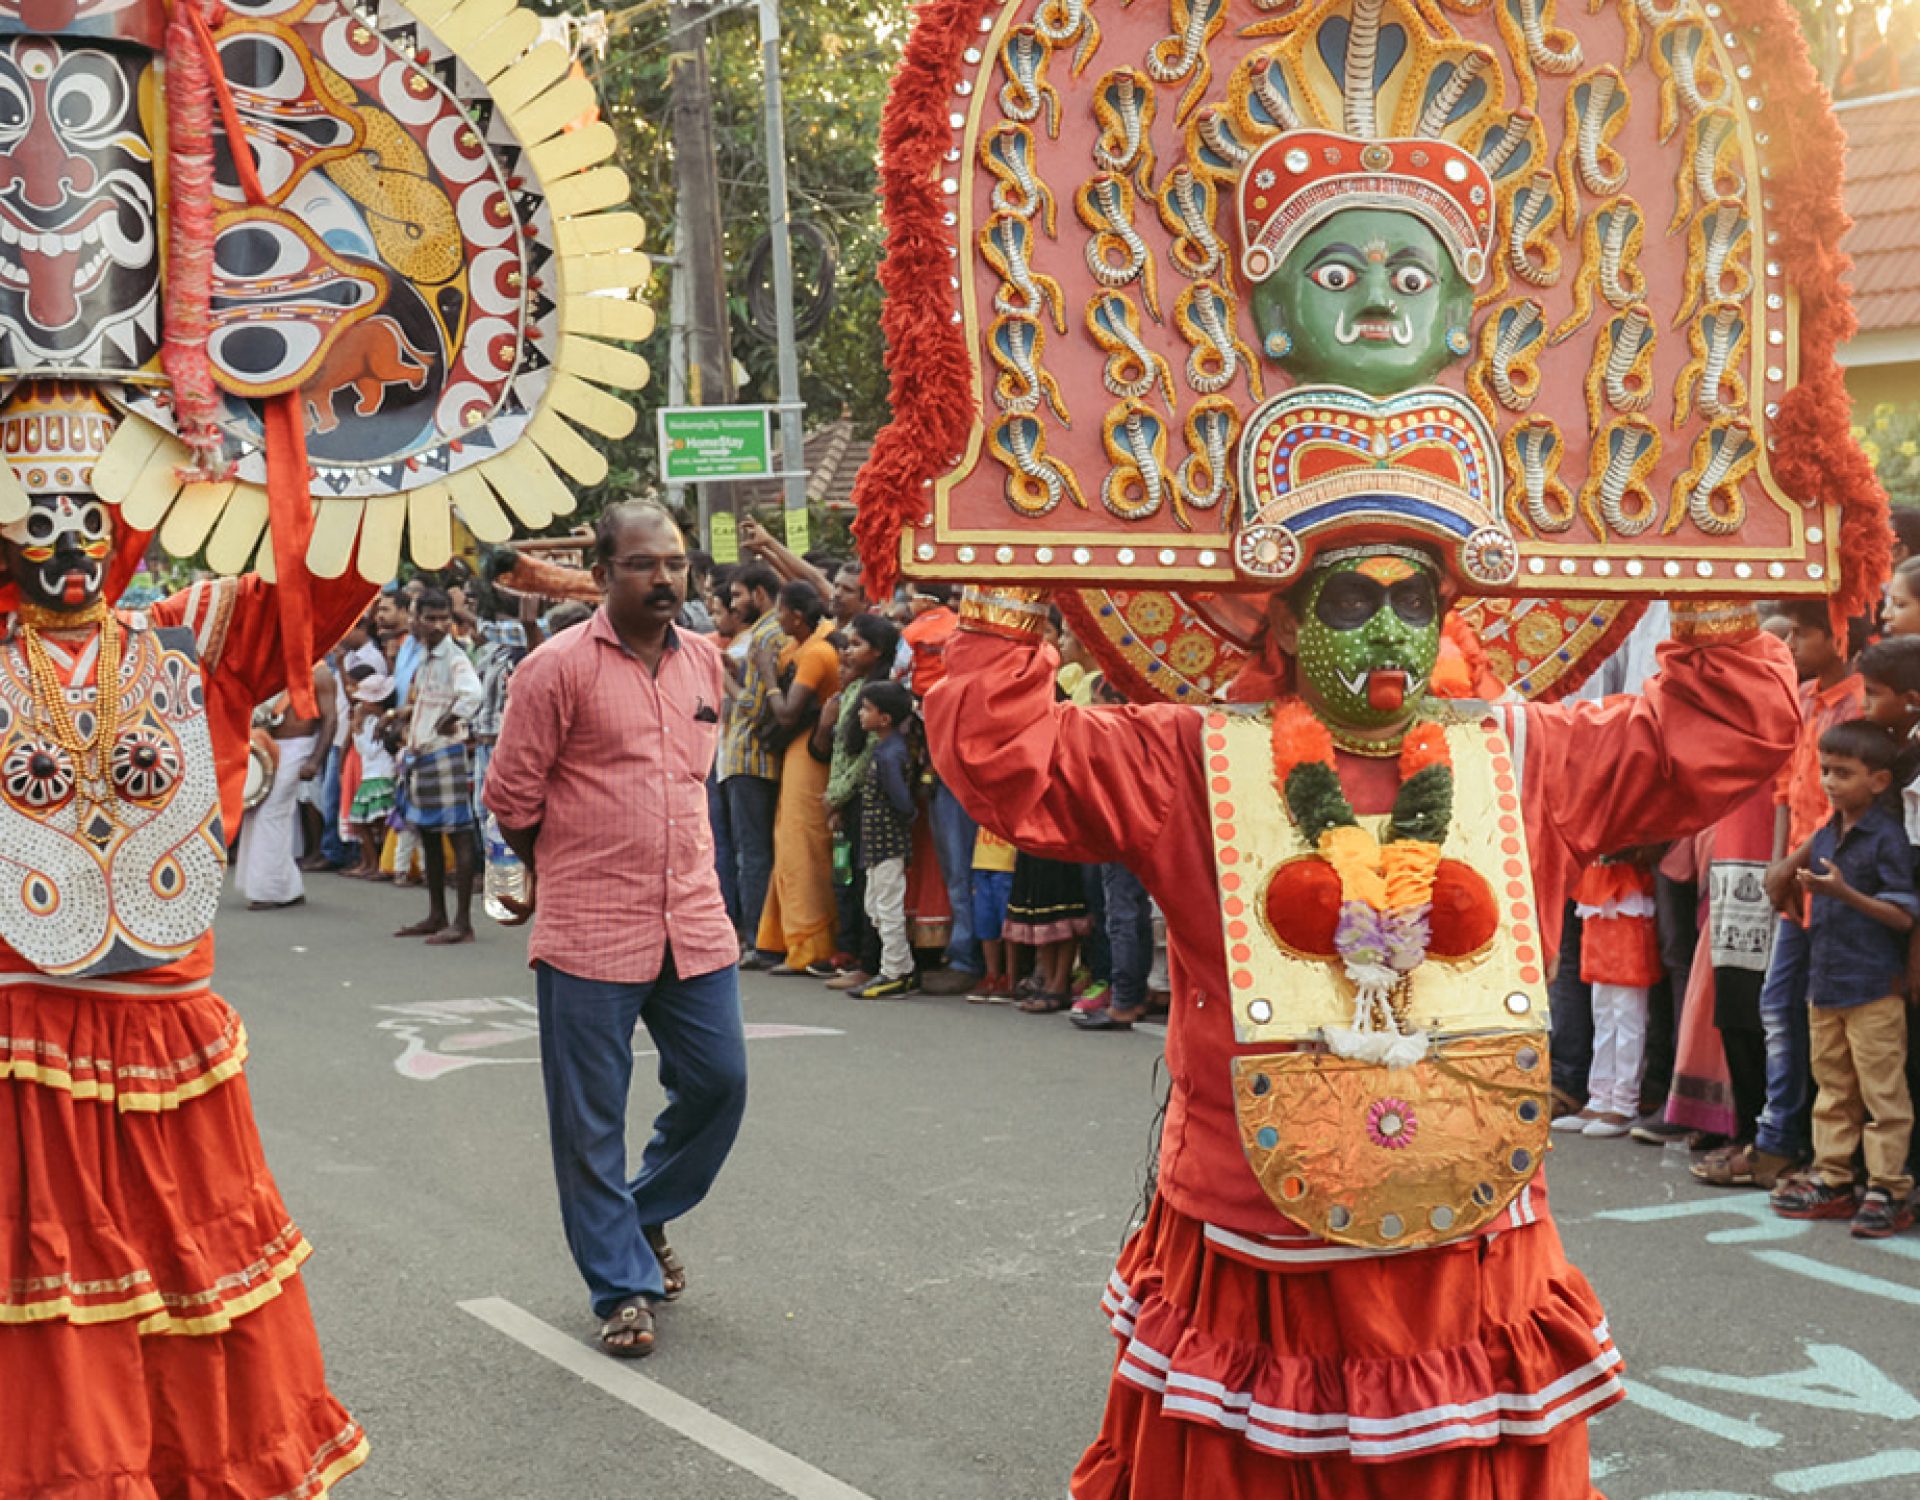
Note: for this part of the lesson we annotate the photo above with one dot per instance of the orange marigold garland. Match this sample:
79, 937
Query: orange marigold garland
1386, 892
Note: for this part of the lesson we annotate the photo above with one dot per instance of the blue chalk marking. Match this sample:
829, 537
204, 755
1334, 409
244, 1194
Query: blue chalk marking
1763, 1224
1840, 1276
1733, 1429
1840, 1380
1896, 1463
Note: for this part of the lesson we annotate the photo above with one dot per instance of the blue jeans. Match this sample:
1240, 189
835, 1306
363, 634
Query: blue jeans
1129, 934
334, 849
1570, 1005
953, 834
1785, 1121
725, 861
751, 801
586, 1060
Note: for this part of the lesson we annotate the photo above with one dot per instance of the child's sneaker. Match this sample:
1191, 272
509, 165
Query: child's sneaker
1809, 1198
1879, 1217
1093, 997
995, 989
884, 988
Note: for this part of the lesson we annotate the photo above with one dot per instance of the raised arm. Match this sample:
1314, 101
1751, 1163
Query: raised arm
1718, 719
1068, 783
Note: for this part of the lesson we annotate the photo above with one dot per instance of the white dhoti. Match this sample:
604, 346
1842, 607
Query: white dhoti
267, 868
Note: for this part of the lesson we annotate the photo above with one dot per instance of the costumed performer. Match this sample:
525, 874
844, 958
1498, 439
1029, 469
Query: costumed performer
155, 1337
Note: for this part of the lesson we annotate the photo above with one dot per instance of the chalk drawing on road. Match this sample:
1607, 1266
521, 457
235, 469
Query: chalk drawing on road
441, 1037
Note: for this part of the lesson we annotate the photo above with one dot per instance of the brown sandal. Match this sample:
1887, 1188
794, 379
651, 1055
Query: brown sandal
672, 1269
1044, 1003
628, 1333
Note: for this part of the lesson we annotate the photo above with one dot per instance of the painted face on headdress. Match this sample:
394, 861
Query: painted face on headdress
1369, 634
1369, 299
58, 554
79, 271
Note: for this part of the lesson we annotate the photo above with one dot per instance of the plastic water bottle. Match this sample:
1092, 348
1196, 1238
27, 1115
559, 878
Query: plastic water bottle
506, 875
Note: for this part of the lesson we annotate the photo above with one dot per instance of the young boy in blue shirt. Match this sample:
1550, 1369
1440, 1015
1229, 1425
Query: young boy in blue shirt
1860, 878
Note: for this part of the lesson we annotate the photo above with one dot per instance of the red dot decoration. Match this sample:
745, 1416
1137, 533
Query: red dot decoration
1235, 906
1218, 763
1224, 832
1229, 856
1236, 929
1242, 953
1242, 980
1221, 784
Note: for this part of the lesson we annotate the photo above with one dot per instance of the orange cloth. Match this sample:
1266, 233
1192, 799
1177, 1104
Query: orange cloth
800, 915
1357, 1380
1798, 786
927, 636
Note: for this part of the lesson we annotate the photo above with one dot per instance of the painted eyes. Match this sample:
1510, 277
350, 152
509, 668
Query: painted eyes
1334, 277
1411, 281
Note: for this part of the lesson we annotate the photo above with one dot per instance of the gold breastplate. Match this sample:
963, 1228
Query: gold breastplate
1361, 1153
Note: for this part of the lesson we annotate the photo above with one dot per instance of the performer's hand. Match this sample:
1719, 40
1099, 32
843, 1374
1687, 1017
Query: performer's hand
522, 910
448, 726
308, 771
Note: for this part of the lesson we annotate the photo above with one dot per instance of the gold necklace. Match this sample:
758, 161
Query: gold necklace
1373, 749
92, 754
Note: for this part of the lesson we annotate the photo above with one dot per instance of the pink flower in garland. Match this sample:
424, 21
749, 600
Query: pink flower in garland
1390, 1123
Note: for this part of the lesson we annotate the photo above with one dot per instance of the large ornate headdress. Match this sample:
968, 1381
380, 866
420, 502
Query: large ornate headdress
391, 289
1101, 217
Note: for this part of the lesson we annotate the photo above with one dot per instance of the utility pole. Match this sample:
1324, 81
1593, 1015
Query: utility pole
700, 248
793, 459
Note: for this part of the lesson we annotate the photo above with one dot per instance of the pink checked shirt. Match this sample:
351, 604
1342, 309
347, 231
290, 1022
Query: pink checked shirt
611, 763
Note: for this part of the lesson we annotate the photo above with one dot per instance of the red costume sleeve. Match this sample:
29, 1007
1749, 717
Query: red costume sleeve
236, 624
1714, 724
1093, 785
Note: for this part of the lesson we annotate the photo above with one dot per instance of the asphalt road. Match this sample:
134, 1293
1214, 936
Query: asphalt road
895, 1282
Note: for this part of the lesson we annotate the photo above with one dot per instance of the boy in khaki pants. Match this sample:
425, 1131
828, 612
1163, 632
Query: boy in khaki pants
1860, 877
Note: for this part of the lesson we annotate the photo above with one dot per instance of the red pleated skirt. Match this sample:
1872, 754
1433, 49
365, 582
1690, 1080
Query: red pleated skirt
1250, 1373
155, 1338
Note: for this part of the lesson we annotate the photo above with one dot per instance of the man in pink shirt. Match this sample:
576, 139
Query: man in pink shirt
599, 783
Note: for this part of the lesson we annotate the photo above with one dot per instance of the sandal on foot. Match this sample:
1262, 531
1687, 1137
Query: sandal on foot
673, 1270
628, 1332
1734, 1169
1044, 1003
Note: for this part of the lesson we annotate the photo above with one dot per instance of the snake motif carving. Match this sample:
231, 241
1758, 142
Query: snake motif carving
1131, 369
1035, 483
1116, 255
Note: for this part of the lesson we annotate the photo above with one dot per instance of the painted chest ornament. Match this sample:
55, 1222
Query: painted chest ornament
111, 847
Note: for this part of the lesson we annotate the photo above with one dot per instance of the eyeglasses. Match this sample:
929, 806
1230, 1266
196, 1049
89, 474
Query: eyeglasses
641, 563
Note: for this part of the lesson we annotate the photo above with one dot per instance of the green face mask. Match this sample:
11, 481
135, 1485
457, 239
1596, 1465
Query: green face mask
1369, 636
1370, 299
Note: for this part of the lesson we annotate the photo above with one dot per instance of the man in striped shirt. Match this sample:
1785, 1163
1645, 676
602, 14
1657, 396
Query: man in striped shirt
599, 782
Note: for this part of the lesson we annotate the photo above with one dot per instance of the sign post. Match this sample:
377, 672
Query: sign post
703, 443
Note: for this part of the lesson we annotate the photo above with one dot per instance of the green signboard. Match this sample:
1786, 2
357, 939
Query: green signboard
714, 442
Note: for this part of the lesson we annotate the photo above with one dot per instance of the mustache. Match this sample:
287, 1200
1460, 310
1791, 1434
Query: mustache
1400, 327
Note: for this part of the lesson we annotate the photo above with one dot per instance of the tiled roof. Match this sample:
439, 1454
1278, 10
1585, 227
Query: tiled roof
1883, 195
834, 457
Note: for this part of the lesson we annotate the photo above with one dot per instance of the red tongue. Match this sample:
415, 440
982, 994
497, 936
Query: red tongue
50, 297
74, 591
1386, 691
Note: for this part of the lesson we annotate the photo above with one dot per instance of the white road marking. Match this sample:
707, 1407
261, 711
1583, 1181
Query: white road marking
779, 1468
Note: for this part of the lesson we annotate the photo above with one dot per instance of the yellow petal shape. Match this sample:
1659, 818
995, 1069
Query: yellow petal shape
473, 497
336, 523
600, 273
473, 20
529, 78
380, 532
570, 100
238, 530
587, 192
185, 530
607, 318
128, 452
430, 526
492, 54
599, 234
602, 363
573, 152
523, 478
590, 407
148, 497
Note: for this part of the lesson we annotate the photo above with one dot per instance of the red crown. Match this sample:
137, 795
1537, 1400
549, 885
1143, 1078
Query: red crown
1299, 178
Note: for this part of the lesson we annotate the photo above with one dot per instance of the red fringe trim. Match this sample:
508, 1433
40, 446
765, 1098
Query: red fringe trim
1813, 453
183, 354
930, 385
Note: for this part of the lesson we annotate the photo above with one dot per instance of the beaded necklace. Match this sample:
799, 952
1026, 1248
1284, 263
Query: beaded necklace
92, 754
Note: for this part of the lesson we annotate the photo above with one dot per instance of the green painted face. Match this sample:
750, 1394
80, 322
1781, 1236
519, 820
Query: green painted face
1370, 299
1369, 634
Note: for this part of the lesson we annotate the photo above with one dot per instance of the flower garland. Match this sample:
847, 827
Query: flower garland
1386, 890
